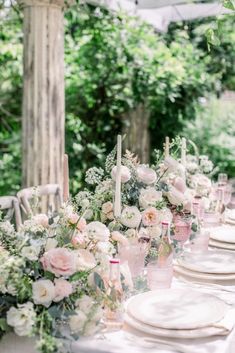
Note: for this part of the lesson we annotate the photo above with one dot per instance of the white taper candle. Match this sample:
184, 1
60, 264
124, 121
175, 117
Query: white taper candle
183, 151
167, 147
117, 200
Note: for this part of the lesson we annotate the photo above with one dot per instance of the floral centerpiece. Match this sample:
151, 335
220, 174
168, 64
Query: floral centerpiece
51, 282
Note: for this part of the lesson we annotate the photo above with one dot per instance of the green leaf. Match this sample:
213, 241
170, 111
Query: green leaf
99, 281
3, 324
212, 37
78, 275
229, 4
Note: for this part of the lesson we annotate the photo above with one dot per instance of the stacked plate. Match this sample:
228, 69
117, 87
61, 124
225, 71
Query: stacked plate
223, 237
230, 216
177, 313
215, 265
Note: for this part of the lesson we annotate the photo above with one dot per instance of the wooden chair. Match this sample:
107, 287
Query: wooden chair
10, 204
48, 197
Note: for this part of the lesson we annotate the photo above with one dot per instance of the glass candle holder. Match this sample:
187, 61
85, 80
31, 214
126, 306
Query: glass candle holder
159, 277
135, 256
200, 242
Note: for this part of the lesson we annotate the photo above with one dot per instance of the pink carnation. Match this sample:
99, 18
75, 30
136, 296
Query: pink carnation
59, 261
150, 217
63, 289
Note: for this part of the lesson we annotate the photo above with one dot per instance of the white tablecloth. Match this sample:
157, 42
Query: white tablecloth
129, 340
132, 341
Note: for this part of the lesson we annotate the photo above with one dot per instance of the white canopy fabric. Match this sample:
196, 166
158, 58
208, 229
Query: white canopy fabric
160, 13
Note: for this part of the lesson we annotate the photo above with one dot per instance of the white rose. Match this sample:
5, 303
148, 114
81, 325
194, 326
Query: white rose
166, 215
77, 322
107, 207
154, 232
125, 174
146, 175
131, 233
131, 217
22, 318
149, 197
85, 260
43, 292
51, 244
31, 252
97, 231
104, 247
175, 197
85, 303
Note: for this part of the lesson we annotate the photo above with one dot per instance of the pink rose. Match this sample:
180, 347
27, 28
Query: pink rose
146, 175
125, 174
73, 218
59, 261
78, 240
63, 289
81, 226
180, 184
150, 217
117, 236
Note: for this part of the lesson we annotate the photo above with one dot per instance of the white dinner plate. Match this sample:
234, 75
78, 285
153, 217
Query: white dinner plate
204, 276
221, 245
215, 261
230, 214
176, 308
225, 233
156, 331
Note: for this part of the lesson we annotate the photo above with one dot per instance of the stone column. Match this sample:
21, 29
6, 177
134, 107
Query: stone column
43, 113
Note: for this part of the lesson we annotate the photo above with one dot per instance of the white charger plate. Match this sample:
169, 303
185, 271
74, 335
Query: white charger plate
176, 308
204, 276
225, 233
156, 331
212, 262
221, 245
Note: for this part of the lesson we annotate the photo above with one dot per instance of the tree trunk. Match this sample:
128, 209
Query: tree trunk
43, 97
136, 128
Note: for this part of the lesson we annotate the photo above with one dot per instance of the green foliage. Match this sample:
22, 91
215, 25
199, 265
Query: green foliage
213, 131
113, 64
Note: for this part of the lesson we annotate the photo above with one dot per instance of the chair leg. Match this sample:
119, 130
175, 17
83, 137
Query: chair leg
18, 218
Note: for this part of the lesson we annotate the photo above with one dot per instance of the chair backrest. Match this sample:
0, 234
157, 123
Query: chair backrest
47, 196
11, 205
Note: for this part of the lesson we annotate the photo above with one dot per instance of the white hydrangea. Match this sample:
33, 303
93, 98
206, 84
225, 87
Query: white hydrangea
94, 175
7, 229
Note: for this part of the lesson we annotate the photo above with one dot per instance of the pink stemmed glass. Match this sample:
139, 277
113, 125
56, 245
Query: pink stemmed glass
182, 230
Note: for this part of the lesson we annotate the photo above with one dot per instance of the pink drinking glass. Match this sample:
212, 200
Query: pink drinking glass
182, 229
159, 277
135, 256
